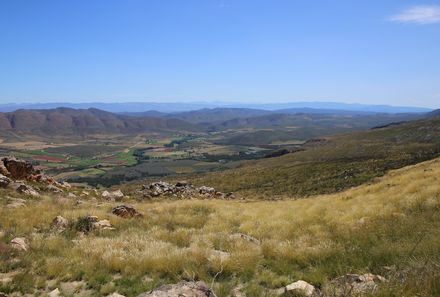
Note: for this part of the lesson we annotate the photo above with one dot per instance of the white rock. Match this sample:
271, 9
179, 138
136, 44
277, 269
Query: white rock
103, 225
302, 287
71, 195
115, 195
55, 293
19, 243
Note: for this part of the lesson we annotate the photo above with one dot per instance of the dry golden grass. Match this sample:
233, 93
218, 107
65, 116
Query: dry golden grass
393, 221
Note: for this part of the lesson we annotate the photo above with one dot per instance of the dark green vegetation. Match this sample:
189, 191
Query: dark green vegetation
334, 163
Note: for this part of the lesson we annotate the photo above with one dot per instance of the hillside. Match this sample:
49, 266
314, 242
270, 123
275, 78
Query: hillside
67, 121
434, 113
317, 121
333, 163
389, 228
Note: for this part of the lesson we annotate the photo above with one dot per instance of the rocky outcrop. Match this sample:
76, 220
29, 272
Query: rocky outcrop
113, 196
17, 168
181, 190
125, 211
187, 289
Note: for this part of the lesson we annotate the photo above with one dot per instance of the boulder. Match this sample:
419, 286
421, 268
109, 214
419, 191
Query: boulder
301, 287
125, 211
204, 190
3, 295
4, 181
59, 223
187, 289
19, 243
103, 225
25, 189
54, 293
113, 196
115, 295
17, 168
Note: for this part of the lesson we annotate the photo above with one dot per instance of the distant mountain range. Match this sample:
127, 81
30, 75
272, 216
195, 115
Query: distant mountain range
67, 121
130, 107
300, 123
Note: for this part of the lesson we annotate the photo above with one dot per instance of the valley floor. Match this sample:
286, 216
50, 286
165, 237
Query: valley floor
390, 227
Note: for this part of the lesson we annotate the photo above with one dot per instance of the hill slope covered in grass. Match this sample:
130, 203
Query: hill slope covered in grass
334, 163
390, 227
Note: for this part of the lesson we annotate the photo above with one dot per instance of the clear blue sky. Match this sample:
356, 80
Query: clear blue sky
365, 51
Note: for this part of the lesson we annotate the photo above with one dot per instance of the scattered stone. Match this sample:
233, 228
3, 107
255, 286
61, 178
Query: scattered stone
245, 237
19, 243
55, 293
180, 190
3, 295
301, 287
113, 196
89, 223
25, 189
59, 223
187, 289
4, 181
125, 211
355, 284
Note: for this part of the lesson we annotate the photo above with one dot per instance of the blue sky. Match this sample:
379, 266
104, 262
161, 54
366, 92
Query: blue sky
365, 51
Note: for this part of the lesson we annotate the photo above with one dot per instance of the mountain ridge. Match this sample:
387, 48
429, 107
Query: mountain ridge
85, 121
